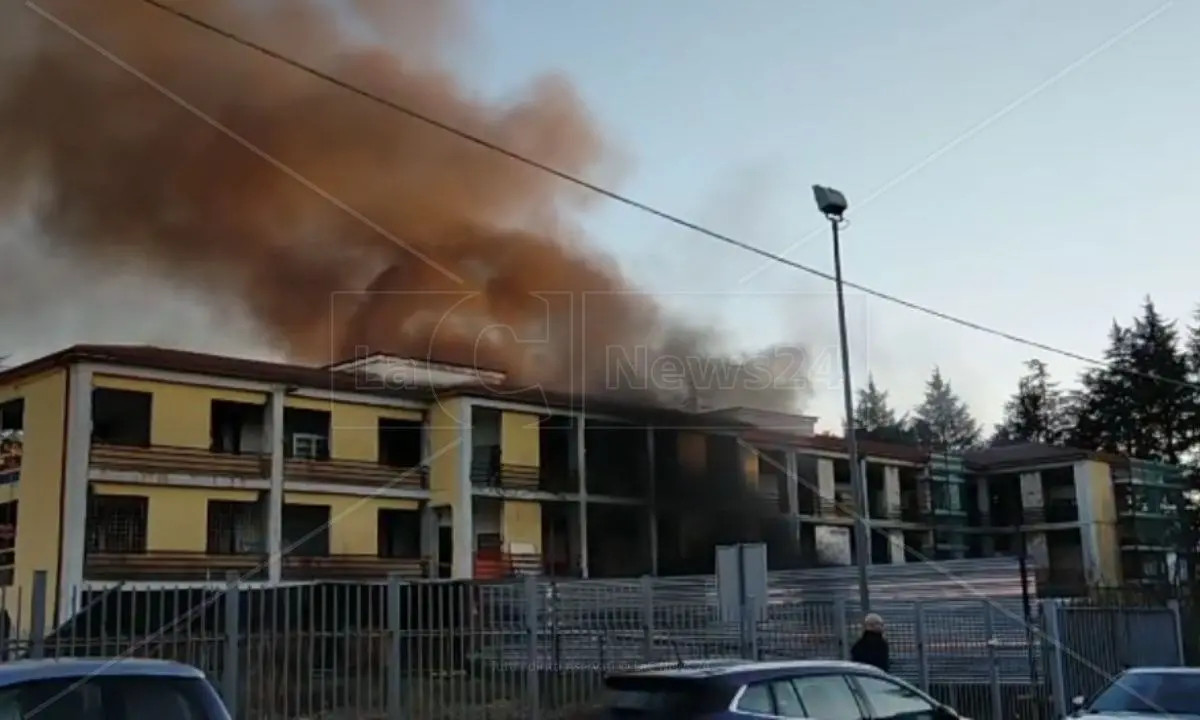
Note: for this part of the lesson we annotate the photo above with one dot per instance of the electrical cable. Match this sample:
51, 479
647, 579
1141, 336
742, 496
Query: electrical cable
646, 208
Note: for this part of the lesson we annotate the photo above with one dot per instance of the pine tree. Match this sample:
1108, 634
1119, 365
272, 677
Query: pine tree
873, 411
1037, 412
943, 420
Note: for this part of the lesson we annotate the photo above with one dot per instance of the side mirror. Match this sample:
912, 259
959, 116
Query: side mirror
1077, 702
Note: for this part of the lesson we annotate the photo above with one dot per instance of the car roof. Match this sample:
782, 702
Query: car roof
743, 671
1162, 671
19, 671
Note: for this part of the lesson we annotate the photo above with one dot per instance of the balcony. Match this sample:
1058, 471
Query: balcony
887, 512
352, 567
488, 471
160, 459
171, 566
1050, 513
356, 472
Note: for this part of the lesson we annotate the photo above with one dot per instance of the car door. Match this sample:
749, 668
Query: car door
888, 699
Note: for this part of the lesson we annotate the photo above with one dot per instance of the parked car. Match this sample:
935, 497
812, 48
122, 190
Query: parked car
100, 689
1173, 691
825, 690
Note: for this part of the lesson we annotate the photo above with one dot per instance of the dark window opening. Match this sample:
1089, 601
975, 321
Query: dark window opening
401, 443
8, 541
12, 424
306, 530
116, 523
121, 417
399, 533
235, 528
236, 428
306, 433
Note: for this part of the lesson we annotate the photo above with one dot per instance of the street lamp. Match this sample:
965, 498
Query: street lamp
832, 205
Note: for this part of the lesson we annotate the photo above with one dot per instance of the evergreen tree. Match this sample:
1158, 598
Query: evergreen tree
873, 411
1037, 413
1141, 404
943, 420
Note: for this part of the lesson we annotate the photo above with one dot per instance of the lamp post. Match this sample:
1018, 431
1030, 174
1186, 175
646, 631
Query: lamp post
832, 205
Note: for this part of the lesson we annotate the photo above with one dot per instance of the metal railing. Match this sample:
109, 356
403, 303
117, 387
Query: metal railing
535, 648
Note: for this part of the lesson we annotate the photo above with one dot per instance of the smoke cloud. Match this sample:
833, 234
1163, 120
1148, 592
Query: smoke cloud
330, 221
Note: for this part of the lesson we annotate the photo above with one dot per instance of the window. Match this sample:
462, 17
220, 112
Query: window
892, 701
306, 433
121, 417
828, 697
101, 698
235, 528
306, 530
399, 533
756, 699
787, 700
116, 523
400, 443
236, 427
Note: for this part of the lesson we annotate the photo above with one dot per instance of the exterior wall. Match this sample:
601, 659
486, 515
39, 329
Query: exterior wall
353, 429
176, 518
180, 414
521, 526
520, 439
353, 522
39, 489
693, 455
449, 447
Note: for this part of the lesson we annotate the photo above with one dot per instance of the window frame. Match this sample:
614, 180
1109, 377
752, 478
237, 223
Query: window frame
863, 709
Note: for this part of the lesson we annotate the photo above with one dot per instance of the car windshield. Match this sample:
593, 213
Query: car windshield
1149, 692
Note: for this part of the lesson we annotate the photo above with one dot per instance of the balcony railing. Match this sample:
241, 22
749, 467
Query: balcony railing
494, 565
488, 472
356, 472
171, 566
1054, 512
888, 512
178, 460
352, 567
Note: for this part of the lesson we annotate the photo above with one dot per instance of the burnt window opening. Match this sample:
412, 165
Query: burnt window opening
306, 433
236, 428
306, 530
12, 425
399, 533
116, 523
121, 417
235, 527
401, 443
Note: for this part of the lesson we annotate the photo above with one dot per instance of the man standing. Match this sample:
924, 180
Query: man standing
871, 648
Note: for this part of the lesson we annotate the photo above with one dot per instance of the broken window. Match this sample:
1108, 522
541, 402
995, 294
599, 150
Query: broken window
400, 443
121, 417
236, 427
306, 433
116, 523
12, 418
306, 530
235, 528
399, 533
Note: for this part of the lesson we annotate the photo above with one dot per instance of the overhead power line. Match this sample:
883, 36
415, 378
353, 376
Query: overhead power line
642, 206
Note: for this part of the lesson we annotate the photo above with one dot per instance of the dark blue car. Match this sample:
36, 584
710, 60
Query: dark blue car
104, 689
822, 690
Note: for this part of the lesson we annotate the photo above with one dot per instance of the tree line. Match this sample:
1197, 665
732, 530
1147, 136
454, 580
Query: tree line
1142, 402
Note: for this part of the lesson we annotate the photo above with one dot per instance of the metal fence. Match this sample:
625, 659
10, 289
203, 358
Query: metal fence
531, 648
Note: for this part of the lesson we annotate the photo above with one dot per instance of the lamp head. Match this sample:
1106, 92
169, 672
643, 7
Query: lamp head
830, 202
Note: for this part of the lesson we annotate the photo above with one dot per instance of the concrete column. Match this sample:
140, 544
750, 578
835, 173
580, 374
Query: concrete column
462, 515
792, 484
891, 489
273, 439
826, 485
896, 541
580, 443
77, 460
652, 501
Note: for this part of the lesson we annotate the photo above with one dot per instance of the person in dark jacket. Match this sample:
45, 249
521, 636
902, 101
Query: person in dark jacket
872, 647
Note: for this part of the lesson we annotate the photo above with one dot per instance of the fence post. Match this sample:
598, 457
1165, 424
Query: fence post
532, 686
1052, 621
750, 628
37, 616
1179, 649
839, 619
647, 618
989, 620
229, 668
922, 649
395, 628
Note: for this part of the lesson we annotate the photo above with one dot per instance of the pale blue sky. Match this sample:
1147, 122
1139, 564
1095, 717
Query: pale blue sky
1048, 223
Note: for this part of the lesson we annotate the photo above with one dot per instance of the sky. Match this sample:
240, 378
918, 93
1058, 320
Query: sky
1036, 162
1024, 165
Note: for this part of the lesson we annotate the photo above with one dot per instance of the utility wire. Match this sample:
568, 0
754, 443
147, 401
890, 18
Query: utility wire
644, 207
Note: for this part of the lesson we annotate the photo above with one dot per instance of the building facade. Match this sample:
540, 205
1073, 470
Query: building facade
139, 465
